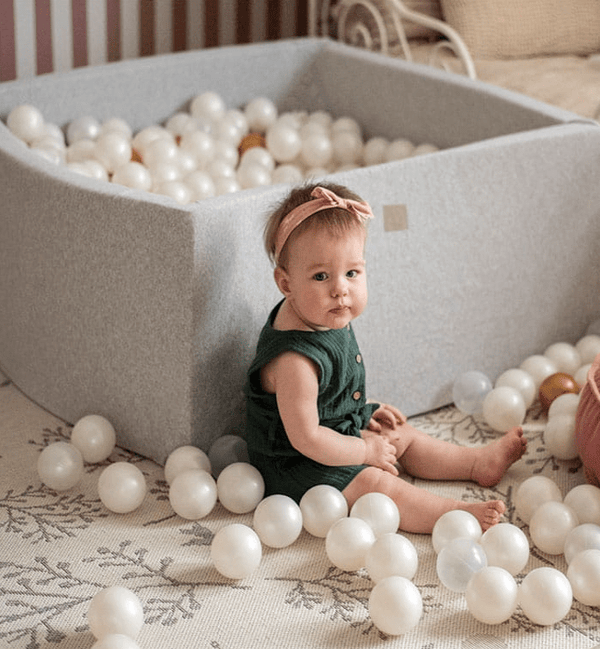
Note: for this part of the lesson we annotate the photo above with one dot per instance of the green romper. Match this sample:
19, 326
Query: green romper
341, 405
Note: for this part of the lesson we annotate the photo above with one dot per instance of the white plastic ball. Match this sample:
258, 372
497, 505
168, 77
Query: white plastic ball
26, 122
218, 169
550, 526
347, 543
122, 487
395, 606
164, 172
492, 595
161, 150
253, 175
236, 551
115, 610
559, 437
186, 162
80, 168
374, 151
565, 356
583, 574
260, 114
201, 145
424, 149
95, 170
458, 561
60, 466
283, 142
116, 124
112, 150
583, 537
287, 173
227, 152
134, 175
391, 554
179, 123
534, 492
565, 404
116, 641
545, 596
399, 150
227, 131
469, 391
277, 521
519, 380
258, 155
581, 375
209, 105
175, 189
317, 150
146, 136
452, 525
225, 185
49, 153
54, 131
226, 450
506, 546
539, 368
584, 500
588, 348
201, 185
348, 124
85, 127
240, 487
81, 150
379, 511
95, 437
504, 408
238, 119
347, 147
321, 507
193, 494
322, 118
183, 459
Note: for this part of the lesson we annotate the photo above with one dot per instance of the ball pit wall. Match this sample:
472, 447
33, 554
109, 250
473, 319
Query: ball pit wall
123, 304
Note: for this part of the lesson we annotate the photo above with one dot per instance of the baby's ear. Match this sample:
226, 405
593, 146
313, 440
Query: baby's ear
282, 280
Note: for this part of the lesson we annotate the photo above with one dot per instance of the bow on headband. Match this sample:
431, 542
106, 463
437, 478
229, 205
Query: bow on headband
323, 199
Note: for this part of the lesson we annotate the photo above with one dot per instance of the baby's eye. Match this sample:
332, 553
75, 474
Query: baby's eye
320, 277
352, 273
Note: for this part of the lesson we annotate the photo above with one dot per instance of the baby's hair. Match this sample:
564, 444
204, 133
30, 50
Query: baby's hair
335, 219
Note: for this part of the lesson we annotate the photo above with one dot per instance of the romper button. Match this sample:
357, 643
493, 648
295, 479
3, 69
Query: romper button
358, 358
356, 396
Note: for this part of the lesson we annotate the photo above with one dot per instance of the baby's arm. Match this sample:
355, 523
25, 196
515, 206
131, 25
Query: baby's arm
294, 380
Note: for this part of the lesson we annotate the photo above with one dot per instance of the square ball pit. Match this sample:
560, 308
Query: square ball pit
123, 303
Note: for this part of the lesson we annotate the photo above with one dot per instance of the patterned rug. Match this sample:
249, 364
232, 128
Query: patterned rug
57, 550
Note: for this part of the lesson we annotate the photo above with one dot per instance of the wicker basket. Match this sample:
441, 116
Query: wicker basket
587, 424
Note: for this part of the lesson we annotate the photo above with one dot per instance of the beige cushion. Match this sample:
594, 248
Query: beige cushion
496, 29
430, 8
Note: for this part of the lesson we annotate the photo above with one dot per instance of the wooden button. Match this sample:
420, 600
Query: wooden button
358, 358
356, 396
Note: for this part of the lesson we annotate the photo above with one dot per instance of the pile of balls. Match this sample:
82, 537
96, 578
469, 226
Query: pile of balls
554, 378
484, 566
210, 149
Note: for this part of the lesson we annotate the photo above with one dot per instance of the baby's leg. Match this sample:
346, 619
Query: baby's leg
419, 509
423, 456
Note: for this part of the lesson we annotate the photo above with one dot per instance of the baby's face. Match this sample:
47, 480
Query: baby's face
327, 279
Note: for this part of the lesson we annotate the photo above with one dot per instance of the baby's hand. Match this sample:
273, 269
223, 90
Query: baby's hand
388, 415
380, 453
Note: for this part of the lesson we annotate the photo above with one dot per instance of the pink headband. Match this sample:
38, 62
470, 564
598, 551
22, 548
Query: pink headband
323, 199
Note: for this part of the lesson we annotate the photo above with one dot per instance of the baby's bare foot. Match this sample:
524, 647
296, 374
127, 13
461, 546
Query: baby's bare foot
488, 514
494, 460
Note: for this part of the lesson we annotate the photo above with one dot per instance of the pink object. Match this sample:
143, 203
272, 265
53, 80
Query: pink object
587, 424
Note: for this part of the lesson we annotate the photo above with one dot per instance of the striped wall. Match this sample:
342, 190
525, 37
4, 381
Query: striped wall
40, 36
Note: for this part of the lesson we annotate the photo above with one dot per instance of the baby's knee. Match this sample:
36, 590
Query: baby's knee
368, 480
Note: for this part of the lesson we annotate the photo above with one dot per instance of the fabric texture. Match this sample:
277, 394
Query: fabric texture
341, 405
497, 29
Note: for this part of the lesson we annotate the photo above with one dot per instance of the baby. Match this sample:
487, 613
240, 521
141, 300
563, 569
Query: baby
308, 420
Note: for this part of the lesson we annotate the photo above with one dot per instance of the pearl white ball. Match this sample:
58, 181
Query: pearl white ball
519, 380
134, 175
581, 375
258, 155
559, 437
175, 189
226, 450
565, 404
550, 526
225, 185
117, 124
539, 368
186, 162
492, 595
260, 114
277, 521
226, 152
253, 175
458, 561
287, 173
160, 150
322, 506
379, 511
147, 135
208, 105
193, 494
236, 551
347, 147
115, 610
565, 356
95, 437
374, 151
347, 543
283, 142
588, 348
164, 172
81, 150
453, 525
85, 127
122, 487
391, 554
218, 169
584, 500
183, 459
240, 487
180, 123
95, 170
545, 596
424, 149
60, 466
116, 641
504, 408
201, 185
317, 150
583, 574
399, 150
534, 492
112, 150
583, 537
395, 605
26, 122
506, 546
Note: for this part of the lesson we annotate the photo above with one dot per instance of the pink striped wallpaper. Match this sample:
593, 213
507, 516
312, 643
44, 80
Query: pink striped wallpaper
40, 36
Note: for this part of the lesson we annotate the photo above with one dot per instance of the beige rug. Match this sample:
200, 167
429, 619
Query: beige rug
58, 550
